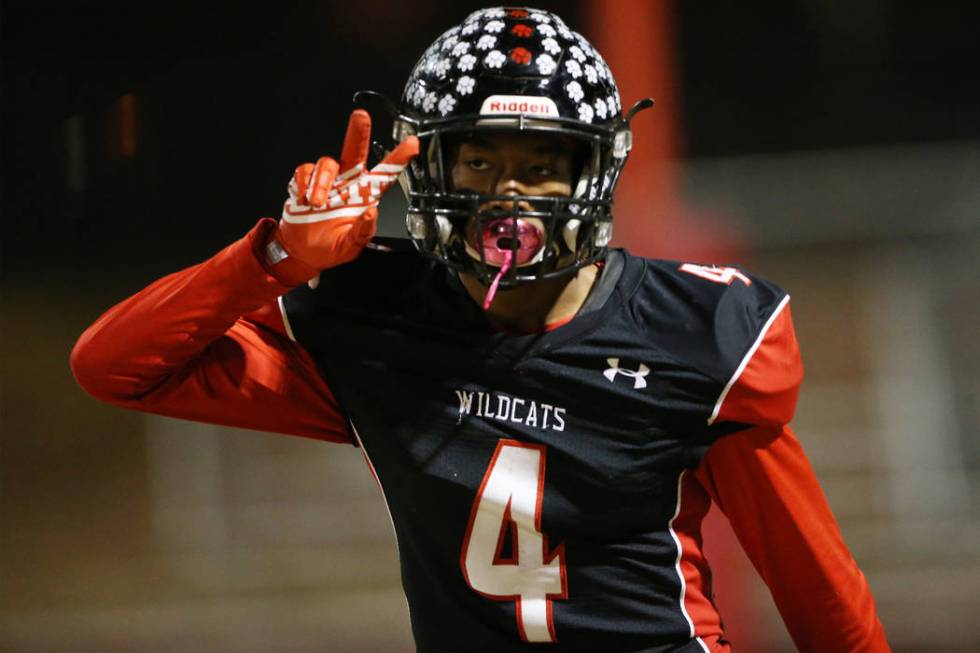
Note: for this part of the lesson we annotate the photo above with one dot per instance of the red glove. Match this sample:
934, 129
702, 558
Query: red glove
332, 209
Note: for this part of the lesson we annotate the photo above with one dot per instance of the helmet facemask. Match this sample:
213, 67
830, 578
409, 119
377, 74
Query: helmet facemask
545, 235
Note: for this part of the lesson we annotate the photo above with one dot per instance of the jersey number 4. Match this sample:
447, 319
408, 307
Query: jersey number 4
716, 274
507, 510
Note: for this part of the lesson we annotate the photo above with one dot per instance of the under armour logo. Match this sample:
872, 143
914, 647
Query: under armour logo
638, 381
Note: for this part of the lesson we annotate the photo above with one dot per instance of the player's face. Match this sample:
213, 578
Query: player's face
512, 164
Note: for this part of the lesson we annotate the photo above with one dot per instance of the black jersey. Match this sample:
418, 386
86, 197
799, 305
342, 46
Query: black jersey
533, 479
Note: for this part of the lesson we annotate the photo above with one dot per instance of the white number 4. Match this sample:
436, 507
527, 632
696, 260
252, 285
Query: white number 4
716, 274
509, 503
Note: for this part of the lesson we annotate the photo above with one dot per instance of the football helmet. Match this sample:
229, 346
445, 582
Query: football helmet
512, 69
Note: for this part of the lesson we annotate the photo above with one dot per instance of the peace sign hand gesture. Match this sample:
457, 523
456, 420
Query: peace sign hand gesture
332, 209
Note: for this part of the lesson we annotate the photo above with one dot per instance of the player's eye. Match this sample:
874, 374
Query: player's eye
478, 164
543, 170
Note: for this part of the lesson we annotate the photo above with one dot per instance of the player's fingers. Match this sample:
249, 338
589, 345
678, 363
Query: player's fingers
320, 181
363, 230
386, 173
300, 181
401, 155
357, 140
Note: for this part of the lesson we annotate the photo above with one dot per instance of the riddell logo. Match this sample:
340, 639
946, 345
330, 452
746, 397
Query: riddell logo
509, 104
638, 381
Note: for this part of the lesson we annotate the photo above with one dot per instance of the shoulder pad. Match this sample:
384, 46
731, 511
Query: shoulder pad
708, 315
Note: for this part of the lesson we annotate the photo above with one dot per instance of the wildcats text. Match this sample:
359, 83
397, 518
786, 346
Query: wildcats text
504, 408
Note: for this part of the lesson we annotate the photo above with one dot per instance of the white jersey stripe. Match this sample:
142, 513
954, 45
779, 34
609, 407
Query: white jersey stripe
677, 561
285, 318
677, 565
374, 472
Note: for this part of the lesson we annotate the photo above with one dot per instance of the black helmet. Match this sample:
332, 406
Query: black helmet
506, 69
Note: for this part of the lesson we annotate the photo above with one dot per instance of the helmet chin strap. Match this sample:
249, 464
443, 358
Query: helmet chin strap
492, 291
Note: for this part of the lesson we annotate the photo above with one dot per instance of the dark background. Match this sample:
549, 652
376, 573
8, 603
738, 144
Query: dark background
230, 96
839, 139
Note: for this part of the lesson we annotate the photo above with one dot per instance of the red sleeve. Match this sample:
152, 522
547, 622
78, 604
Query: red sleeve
208, 344
761, 479
763, 482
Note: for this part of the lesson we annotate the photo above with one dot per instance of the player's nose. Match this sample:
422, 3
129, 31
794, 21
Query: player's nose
507, 205
509, 185
510, 181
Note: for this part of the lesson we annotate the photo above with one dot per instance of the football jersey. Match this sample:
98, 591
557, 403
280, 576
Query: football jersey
534, 480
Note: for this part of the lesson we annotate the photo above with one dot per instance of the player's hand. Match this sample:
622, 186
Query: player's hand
332, 209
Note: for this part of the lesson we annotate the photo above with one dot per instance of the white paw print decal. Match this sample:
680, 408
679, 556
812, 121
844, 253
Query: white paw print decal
415, 94
466, 62
585, 112
493, 26
450, 42
429, 103
600, 109
591, 74
546, 65
577, 53
486, 42
442, 67
573, 68
469, 28
446, 104
551, 46
494, 13
495, 59
611, 106
539, 18
574, 90
461, 48
465, 86
546, 30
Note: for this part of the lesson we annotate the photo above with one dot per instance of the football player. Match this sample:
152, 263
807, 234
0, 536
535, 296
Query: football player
549, 418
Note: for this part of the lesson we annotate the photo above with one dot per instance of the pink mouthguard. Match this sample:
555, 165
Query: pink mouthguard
498, 246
